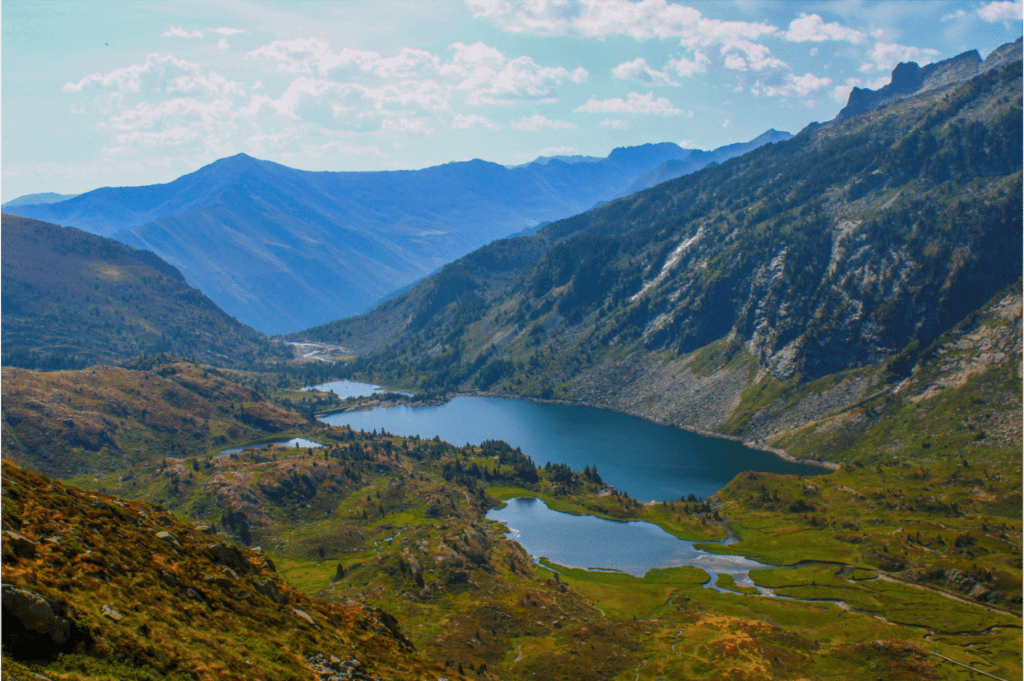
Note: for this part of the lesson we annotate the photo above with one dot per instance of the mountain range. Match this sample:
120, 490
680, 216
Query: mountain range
284, 249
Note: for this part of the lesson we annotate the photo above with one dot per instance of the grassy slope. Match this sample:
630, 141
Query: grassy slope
181, 610
466, 596
106, 420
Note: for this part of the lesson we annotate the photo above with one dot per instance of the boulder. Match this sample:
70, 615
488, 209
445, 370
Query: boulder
35, 614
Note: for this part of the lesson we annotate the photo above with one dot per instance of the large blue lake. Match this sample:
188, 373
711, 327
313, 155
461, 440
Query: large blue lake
647, 460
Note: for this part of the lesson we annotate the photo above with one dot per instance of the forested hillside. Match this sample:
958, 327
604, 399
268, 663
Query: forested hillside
72, 299
849, 248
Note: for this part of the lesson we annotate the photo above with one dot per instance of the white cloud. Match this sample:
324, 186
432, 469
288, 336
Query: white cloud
1001, 11
145, 115
887, 55
687, 67
791, 86
337, 147
474, 120
468, 58
642, 20
638, 70
150, 75
615, 124
171, 136
959, 14
521, 78
754, 57
425, 94
224, 32
393, 126
308, 55
538, 122
485, 74
176, 32
725, 123
811, 27
635, 103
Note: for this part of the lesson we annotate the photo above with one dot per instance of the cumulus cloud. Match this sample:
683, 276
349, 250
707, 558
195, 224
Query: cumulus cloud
312, 55
335, 147
642, 20
688, 67
538, 122
743, 55
638, 70
392, 126
177, 32
150, 75
959, 14
615, 124
886, 56
811, 27
635, 103
1001, 11
223, 31
484, 73
520, 78
468, 58
472, 121
791, 86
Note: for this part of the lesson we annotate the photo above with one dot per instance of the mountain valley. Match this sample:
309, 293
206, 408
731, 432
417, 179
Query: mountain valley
174, 506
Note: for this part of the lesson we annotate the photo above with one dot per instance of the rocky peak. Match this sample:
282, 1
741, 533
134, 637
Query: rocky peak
908, 78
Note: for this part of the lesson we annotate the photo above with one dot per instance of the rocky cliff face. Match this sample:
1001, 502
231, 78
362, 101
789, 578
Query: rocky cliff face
908, 78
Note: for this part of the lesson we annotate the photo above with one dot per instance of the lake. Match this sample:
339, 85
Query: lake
650, 462
591, 543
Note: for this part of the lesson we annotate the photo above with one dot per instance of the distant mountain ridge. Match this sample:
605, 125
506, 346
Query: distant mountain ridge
36, 199
670, 170
284, 249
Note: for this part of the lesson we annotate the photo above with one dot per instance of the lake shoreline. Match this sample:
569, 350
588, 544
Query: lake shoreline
751, 444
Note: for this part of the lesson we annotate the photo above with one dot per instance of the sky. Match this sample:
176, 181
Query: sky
114, 93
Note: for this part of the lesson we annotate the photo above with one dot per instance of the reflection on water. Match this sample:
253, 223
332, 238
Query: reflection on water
596, 543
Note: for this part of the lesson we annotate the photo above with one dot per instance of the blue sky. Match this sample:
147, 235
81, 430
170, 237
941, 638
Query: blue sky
128, 93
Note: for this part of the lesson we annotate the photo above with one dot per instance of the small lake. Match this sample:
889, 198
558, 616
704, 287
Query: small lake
589, 542
650, 462
293, 442
344, 389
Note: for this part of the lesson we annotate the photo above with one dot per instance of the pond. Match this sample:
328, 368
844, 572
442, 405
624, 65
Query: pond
293, 442
650, 462
592, 543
